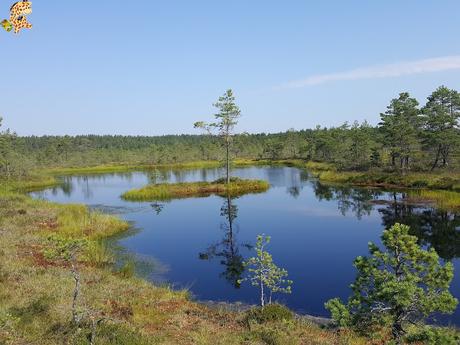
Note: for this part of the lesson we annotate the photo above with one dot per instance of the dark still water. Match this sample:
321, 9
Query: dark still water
316, 231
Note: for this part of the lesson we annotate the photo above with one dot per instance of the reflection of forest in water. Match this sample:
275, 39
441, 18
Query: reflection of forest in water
435, 228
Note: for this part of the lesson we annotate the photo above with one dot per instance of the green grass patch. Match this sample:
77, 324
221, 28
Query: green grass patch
106, 169
168, 191
28, 184
76, 221
120, 167
446, 200
444, 181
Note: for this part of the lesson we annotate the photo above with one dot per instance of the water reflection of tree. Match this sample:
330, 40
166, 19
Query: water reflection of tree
228, 249
434, 228
157, 207
157, 175
349, 199
65, 185
294, 191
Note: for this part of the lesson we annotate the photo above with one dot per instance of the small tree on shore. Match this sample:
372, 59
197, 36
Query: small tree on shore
403, 285
264, 274
67, 250
226, 120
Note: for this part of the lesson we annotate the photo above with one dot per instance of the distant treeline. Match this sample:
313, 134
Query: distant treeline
409, 137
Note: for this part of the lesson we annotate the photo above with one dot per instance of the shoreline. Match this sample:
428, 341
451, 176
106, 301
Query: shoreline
439, 188
241, 307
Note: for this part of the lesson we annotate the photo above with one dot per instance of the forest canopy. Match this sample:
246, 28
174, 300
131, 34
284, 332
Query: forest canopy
408, 137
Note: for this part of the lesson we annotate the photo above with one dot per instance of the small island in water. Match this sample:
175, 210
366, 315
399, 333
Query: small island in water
168, 191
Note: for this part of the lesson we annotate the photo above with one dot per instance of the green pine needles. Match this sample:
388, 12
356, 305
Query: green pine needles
226, 120
400, 286
264, 274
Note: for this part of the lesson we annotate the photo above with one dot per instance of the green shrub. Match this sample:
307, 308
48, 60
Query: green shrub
419, 184
269, 313
60, 247
224, 180
444, 183
339, 312
435, 336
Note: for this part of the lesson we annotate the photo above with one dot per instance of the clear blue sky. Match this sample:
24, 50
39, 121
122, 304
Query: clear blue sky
155, 67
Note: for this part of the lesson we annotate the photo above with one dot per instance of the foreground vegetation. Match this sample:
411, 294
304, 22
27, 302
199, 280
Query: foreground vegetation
399, 286
168, 191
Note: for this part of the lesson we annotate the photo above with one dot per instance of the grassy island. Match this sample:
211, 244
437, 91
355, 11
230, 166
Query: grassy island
168, 191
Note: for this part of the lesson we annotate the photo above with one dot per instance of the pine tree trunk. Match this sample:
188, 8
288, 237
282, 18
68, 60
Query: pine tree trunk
76, 291
435, 164
397, 332
228, 161
445, 155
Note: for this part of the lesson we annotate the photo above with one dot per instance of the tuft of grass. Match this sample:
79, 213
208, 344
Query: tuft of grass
168, 191
128, 270
99, 254
76, 221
